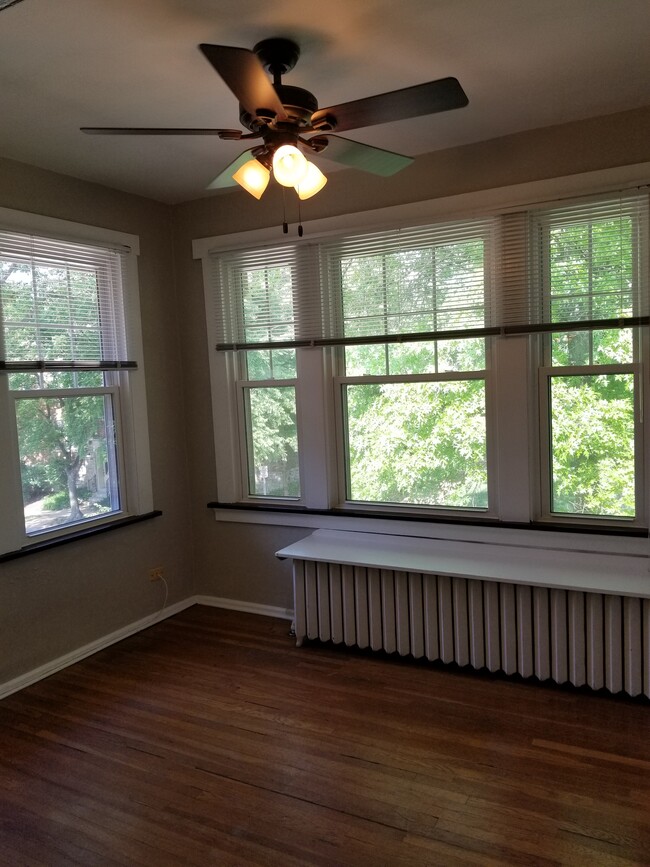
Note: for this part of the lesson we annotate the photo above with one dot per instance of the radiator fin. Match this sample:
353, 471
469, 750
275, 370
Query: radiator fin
601, 640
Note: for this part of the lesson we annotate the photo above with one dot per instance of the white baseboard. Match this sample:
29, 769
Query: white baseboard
80, 653
248, 607
67, 659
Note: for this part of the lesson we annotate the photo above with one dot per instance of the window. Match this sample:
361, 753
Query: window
414, 427
69, 358
591, 270
395, 370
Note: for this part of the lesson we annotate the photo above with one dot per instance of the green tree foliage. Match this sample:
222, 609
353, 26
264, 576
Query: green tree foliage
592, 416
418, 442
52, 313
273, 439
54, 433
423, 441
593, 444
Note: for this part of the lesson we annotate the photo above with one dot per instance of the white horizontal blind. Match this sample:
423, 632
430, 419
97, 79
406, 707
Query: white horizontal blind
267, 297
410, 284
575, 266
61, 305
403, 284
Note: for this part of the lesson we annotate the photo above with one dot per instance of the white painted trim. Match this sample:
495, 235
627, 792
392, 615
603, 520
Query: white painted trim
248, 607
80, 653
29, 223
535, 540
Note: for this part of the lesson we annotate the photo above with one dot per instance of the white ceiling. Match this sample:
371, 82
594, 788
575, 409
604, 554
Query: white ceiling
523, 64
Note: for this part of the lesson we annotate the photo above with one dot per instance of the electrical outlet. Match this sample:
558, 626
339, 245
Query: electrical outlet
156, 574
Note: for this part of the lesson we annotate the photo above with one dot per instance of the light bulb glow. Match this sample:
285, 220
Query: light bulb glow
289, 165
253, 177
313, 181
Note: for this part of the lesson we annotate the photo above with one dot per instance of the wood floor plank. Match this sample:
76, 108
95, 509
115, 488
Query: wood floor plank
211, 739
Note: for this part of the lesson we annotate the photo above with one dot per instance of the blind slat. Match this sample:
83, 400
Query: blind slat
579, 265
61, 304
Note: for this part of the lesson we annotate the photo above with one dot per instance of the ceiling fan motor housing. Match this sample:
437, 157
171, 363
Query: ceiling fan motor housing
299, 105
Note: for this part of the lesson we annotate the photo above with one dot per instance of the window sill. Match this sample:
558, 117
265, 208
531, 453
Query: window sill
631, 542
77, 535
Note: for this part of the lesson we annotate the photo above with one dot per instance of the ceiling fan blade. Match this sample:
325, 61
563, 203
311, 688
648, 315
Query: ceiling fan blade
245, 76
362, 156
224, 178
144, 130
428, 98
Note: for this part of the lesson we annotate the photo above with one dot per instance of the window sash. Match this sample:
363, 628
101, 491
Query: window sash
117, 482
545, 377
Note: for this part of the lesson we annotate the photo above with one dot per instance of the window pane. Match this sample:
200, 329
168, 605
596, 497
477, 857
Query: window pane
591, 271
369, 360
416, 357
68, 459
607, 346
56, 380
267, 297
271, 364
418, 442
50, 312
272, 442
592, 445
428, 288
461, 355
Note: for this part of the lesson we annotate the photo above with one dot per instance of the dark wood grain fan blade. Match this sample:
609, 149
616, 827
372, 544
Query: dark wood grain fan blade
362, 156
145, 130
428, 98
245, 76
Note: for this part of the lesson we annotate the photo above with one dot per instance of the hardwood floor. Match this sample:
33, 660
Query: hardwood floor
210, 739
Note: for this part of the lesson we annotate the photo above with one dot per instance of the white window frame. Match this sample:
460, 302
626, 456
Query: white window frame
128, 390
512, 377
546, 371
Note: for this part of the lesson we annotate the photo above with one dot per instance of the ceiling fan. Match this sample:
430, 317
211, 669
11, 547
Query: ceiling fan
290, 124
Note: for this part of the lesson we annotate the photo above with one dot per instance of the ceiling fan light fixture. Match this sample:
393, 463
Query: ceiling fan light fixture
289, 165
312, 183
253, 177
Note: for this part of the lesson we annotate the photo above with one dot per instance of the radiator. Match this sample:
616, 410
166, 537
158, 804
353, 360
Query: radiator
568, 636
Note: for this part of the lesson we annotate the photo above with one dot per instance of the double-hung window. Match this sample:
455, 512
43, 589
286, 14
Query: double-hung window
481, 368
71, 387
412, 427
591, 276
355, 370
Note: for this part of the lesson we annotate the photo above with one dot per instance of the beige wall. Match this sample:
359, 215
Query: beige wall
53, 602
237, 560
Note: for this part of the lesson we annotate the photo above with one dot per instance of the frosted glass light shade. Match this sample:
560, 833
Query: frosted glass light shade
289, 165
313, 181
253, 177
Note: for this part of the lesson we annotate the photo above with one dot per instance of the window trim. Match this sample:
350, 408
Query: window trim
136, 486
516, 354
